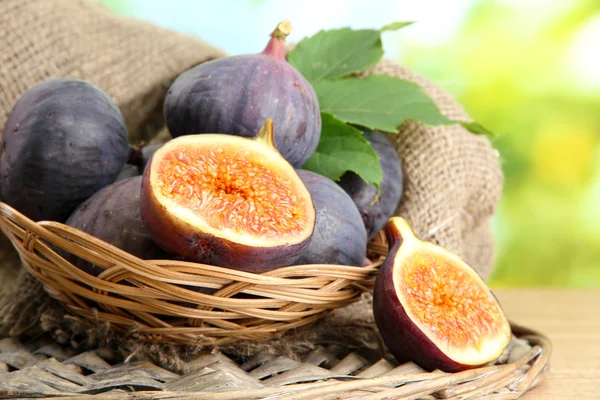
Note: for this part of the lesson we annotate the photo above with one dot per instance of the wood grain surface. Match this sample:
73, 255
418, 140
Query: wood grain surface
571, 319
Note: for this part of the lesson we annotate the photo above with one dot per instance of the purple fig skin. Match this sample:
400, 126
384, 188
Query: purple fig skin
113, 215
234, 95
404, 339
64, 140
178, 237
146, 154
128, 171
375, 215
340, 236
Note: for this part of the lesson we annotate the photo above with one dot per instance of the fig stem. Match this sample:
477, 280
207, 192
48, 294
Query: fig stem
265, 135
276, 46
397, 230
282, 31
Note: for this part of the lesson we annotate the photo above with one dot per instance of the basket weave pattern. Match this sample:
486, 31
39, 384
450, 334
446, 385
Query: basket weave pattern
167, 300
330, 372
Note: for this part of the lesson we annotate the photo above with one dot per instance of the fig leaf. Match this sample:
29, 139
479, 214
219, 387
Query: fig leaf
344, 148
394, 26
478, 129
378, 102
335, 53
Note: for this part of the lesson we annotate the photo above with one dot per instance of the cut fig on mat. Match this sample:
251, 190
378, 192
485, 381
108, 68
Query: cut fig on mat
433, 308
228, 201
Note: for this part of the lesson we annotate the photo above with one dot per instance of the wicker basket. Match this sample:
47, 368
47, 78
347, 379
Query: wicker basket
45, 369
159, 298
165, 300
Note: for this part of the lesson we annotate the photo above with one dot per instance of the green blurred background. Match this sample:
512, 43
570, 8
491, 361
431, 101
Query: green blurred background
527, 69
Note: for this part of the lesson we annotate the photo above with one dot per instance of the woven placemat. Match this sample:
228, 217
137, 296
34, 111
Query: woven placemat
45, 369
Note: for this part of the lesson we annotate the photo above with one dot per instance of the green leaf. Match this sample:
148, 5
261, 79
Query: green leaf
478, 129
336, 53
378, 102
344, 148
394, 26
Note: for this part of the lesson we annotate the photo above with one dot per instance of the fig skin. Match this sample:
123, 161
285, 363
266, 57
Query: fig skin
128, 171
402, 336
234, 95
64, 140
113, 215
146, 154
376, 213
340, 236
177, 236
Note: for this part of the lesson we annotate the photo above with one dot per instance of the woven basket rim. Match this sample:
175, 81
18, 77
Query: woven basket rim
160, 298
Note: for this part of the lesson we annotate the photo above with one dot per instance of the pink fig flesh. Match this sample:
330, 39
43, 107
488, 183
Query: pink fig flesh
227, 201
432, 308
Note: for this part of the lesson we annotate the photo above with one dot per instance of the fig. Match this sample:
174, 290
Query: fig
128, 171
235, 94
228, 201
146, 154
432, 308
113, 215
375, 208
63, 140
340, 236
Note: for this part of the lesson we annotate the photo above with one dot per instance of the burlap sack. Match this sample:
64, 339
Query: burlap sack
132, 61
452, 178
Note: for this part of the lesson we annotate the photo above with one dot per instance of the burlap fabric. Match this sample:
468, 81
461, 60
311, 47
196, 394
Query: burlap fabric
452, 178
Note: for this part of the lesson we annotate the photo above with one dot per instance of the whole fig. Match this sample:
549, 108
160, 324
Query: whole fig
113, 215
339, 236
234, 95
376, 211
64, 140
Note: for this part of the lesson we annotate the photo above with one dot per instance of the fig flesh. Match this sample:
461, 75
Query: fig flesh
375, 211
432, 308
63, 140
234, 95
113, 215
340, 236
228, 201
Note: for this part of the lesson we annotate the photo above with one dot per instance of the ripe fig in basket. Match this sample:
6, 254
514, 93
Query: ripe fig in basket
375, 211
340, 236
227, 200
128, 171
235, 95
433, 309
146, 154
113, 215
64, 140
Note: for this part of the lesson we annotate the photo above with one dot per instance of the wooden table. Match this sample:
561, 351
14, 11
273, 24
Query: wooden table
571, 319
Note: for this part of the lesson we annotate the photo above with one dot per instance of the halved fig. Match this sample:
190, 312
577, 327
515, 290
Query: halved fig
432, 308
227, 200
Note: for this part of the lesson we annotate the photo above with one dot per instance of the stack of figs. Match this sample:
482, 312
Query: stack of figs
66, 157
228, 190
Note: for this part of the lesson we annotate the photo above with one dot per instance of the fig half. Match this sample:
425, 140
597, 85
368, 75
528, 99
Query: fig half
432, 308
228, 201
